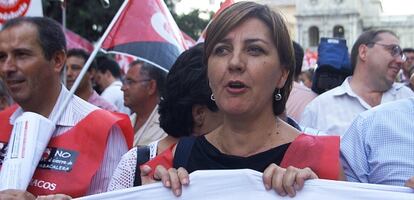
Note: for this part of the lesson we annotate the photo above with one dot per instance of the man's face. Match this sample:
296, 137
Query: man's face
383, 65
74, 65
135, 87
23, 66
409, 63
99, 79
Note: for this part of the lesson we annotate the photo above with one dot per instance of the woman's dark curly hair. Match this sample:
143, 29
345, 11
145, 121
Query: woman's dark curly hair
186, 86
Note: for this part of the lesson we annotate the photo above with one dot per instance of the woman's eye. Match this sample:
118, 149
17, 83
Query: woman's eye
255, 50
221, 50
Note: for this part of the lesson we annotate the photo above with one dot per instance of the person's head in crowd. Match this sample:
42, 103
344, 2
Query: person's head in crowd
377, 57
186, 107
107, 71
299, 54
306, 77
408, 65
32, 55
75, 61
272, 51
143, 85
5, 98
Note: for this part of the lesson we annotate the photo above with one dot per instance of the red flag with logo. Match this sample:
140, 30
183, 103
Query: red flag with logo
76, 41
147, 30
17, 8
223, 6
124, 60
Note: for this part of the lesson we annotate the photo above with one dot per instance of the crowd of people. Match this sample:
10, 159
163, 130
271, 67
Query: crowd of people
232, 102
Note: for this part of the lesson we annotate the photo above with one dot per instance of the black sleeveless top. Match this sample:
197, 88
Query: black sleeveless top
204, 156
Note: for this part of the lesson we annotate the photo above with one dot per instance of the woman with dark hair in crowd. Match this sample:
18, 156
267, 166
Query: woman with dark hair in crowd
250, 62
185, 109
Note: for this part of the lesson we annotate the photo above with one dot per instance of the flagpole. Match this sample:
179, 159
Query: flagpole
89, 61
63, 7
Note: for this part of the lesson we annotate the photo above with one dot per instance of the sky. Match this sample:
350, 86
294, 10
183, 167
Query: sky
185, 6
398, 7
390, 7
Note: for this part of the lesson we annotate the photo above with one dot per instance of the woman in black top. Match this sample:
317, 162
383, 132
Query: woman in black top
250, 62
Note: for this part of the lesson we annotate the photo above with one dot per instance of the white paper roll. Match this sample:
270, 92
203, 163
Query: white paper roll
30, 136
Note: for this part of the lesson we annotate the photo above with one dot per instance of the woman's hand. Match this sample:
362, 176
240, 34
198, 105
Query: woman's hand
410, 183
286, 181
54, 197
146, 177
172, 178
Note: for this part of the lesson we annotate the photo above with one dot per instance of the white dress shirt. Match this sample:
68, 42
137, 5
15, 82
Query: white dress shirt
333, 111
114, 95
75, 111
150, 131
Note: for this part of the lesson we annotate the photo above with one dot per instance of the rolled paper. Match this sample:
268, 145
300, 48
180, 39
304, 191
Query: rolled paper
30, 135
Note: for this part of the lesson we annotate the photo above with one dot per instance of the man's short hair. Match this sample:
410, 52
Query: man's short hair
367, 38
81, 54
152, 72
106, 64
299, 53
78, 53
49, 33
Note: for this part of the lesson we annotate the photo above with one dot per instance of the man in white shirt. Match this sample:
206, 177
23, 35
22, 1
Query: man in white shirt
108, 78
32, 55
376, 59
142, 89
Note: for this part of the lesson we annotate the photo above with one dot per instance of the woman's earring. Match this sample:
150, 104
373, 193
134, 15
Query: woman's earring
278, 96
212, 97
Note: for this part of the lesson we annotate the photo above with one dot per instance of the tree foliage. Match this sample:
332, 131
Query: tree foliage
90, 19
87, 18
191, 23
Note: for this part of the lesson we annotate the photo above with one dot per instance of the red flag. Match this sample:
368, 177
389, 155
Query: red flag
223, 6
147, 30
123, 61
76, 41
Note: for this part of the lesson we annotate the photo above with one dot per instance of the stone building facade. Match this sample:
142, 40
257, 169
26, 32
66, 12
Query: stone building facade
309, 20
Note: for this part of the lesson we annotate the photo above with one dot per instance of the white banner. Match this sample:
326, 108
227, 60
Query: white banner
248, 184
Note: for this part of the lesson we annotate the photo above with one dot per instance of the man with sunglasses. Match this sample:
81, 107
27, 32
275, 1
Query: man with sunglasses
376, 59
142, 89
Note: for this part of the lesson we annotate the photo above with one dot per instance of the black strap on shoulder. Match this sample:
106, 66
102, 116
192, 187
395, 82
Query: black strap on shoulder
183, 151
143, 155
